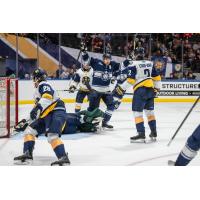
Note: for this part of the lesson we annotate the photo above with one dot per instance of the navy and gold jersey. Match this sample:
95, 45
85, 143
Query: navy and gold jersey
47, 97
102, 74
142, 74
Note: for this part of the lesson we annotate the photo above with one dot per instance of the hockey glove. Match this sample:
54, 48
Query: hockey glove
156, 92
118, 92
83, 47
21, 126
35, 112
72, 89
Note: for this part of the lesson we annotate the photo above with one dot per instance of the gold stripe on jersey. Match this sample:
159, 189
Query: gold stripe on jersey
131, 81
48, 110
157, 78
47, 96
145, 83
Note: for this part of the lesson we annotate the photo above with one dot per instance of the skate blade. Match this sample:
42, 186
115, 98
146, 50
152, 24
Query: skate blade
171, 163
27, 162
140, 141
151, 140
60, 165
107, 129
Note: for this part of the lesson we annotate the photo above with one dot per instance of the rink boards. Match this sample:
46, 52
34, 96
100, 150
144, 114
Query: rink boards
172, 91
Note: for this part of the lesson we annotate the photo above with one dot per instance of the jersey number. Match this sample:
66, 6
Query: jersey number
46, 89
147, 72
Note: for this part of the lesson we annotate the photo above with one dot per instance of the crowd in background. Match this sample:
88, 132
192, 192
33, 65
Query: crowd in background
183, 49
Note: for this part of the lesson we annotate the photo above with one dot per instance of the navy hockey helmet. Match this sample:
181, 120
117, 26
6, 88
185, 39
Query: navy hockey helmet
39, 75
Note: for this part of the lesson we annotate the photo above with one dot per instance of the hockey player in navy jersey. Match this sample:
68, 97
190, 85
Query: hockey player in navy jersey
83, 78
189, 151
146, 81
103, 71
48, 112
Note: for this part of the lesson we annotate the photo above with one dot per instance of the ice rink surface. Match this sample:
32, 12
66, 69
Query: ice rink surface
113, 148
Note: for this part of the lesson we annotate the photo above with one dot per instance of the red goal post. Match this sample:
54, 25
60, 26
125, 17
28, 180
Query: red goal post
8, 105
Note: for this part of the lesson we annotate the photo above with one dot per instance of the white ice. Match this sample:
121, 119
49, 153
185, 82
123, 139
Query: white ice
114, 147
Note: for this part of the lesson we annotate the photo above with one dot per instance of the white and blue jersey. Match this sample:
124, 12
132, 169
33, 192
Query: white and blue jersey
47, 97
82, 76
102, 74
142, 74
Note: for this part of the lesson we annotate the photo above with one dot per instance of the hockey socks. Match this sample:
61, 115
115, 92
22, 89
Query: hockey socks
139, 121
29, 143
58, 147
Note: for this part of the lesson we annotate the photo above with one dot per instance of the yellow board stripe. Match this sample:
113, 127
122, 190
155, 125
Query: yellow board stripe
125, 100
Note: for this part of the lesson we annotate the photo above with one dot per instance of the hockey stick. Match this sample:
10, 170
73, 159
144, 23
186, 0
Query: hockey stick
183, 121
85, 38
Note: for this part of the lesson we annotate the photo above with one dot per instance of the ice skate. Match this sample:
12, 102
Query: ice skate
63, 161
25, 159
140, 138
107, 126
153, 136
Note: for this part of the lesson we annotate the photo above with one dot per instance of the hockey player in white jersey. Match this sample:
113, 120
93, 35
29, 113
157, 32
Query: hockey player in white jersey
48, 114
146, 81
83, 80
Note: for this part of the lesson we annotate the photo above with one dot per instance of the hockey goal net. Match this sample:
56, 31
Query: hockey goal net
8, 105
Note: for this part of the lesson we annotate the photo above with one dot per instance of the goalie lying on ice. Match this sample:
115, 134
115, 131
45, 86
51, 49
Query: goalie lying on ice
84, 121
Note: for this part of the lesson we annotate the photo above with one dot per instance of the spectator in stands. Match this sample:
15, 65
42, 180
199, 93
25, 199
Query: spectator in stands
27, 76
189, 75
175, 75
65, 74
59, 71
21, 72
97, 44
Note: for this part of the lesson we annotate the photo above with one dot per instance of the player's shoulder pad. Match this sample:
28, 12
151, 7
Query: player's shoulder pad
115, 65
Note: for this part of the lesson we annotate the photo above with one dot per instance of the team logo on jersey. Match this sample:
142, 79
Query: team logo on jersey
85, 80
105, 76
